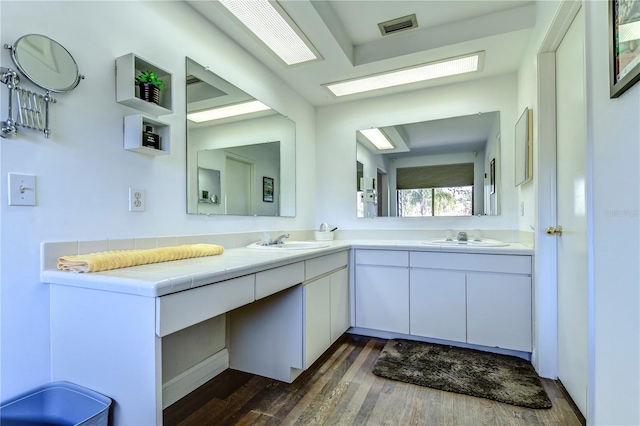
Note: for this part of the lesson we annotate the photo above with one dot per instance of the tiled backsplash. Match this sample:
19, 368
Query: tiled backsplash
424, 234
51, 251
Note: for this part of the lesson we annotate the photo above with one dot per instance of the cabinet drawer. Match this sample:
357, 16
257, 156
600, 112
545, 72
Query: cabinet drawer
472, 262
322, 265
181, 310
277, 279
382, 257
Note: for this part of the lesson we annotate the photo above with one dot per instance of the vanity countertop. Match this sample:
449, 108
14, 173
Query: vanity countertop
160, 279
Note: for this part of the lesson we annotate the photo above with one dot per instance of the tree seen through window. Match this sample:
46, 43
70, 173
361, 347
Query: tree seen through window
449, 201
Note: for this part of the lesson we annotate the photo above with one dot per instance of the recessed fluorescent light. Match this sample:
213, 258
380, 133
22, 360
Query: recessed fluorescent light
227, 111
378, 138
271, 24
448, 67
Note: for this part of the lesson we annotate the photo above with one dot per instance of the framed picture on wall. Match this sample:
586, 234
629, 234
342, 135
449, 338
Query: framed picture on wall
267, 189
624, 45
524, 147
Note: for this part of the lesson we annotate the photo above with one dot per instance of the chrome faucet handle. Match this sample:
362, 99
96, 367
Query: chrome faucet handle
279, 239
462, 236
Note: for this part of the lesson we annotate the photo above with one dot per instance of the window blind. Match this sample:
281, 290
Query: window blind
441, 176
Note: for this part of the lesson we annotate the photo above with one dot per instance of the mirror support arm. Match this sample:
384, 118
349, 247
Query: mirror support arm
10, 78
30, 105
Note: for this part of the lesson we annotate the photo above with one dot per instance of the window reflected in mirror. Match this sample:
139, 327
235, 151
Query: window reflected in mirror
447, 167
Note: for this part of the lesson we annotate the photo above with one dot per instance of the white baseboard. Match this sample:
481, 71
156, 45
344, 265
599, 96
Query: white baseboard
194, 377
391, 335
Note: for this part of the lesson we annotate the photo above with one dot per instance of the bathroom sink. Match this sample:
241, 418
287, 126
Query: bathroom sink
480, 242
290, 245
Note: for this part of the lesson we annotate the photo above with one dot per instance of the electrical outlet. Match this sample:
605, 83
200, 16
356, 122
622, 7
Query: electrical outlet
136, 200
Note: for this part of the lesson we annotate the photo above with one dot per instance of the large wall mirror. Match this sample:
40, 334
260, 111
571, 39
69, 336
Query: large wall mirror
446, 167
240, 153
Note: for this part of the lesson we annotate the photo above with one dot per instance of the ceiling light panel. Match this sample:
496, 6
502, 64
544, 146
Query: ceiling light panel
271, 24
377, 138
430, 71
227, 111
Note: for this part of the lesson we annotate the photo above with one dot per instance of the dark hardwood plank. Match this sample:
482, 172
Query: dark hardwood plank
341, 389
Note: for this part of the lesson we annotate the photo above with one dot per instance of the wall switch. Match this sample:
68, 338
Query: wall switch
522, 208
22, 190
136, 200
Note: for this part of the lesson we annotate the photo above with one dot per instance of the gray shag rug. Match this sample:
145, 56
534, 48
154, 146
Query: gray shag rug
502, 378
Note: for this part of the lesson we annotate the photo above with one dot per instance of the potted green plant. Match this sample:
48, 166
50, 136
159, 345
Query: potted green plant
150, 86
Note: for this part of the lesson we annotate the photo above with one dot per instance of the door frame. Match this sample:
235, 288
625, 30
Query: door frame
545, 354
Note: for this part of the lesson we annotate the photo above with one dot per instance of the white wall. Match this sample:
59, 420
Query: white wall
336, 148
83, 173
545, 337
614, 137
528, 97
613, 144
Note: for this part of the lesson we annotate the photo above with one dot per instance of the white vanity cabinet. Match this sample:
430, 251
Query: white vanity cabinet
281, 335
481, 299
382, 290
108, 329
476, 298
326, 313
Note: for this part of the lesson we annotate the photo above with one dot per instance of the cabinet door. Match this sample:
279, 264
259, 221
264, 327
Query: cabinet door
317, 323
437, 305
339, 303
499, 310
382, 298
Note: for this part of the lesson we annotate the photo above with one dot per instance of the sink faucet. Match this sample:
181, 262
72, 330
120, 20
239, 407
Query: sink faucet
462, 236
279, 239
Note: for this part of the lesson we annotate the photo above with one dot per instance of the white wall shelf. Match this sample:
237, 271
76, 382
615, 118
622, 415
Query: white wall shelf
133, 128
128, 68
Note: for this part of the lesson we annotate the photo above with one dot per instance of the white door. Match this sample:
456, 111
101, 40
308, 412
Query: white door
571, 213
238, 187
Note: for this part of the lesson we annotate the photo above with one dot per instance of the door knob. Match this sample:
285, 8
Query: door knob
554, 231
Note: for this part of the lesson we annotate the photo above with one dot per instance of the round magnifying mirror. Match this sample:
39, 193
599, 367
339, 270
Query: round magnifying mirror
46, 63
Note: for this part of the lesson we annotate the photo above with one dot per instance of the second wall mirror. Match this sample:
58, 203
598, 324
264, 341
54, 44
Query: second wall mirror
240, 153
446, 167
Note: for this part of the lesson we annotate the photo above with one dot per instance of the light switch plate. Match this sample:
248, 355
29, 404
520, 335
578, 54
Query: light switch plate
22, 190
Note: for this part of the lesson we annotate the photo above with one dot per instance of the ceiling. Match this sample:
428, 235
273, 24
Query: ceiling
446, 136
346, 34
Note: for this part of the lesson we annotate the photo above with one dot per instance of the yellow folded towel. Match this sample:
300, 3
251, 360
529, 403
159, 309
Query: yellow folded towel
106, 260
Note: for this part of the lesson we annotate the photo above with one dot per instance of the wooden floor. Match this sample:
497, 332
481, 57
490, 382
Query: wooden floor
340, 389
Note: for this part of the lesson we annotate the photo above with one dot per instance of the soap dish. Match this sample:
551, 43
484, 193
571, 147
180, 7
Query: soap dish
324, 235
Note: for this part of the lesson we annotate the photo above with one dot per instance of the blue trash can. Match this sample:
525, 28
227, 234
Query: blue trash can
59, 404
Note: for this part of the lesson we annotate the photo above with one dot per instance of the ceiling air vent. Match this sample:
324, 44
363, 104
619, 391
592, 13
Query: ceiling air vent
192, 79
398, 24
